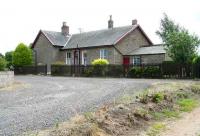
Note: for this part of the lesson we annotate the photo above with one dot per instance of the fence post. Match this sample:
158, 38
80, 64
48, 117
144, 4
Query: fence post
161, 71
46, 69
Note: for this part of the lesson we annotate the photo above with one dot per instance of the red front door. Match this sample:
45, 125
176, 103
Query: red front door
126, 60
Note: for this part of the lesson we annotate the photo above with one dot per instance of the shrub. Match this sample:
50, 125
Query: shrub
22, 55
148, 71
99, 67
151, 71
196, 60
135, 72
2, 64
100, 62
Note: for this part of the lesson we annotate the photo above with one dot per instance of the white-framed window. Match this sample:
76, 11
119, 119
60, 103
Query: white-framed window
136, 60
84, 58
103, 54
68, 58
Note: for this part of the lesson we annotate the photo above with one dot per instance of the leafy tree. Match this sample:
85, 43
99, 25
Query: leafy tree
1, 55
9, 58
22, 55
2, 64
180, 45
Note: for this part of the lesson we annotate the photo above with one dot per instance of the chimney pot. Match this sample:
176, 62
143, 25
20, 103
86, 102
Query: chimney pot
64, 23
110, 23
134, 22
65, 29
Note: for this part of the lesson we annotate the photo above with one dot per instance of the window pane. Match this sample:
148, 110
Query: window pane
136, 60
103, 53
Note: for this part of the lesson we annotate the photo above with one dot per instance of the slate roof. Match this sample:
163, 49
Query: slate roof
98, 38
56, 38
89, 39
148, 50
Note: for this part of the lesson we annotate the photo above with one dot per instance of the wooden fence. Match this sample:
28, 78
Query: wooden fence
164, 70
23, 70
135, 71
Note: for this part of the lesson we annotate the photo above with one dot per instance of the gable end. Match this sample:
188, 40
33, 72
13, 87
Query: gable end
36, 39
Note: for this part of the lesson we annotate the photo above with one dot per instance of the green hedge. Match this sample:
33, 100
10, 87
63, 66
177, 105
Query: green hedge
148, 71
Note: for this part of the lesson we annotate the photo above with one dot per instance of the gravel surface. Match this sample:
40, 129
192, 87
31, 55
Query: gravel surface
47, 100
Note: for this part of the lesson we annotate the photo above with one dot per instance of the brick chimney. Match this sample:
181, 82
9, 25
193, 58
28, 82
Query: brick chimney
134, 22
65, 29
110, 23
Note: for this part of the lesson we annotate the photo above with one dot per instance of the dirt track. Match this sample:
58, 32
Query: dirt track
189, 125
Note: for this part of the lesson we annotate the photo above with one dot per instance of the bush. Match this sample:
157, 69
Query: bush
99, 67
135, 72
100, 62
196, 60
22, 55
151, 71
2, 64
148, 71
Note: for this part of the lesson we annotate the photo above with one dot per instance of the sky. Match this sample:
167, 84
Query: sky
21, 20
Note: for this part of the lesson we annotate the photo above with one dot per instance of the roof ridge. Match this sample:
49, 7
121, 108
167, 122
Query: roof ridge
104, 29
90, 31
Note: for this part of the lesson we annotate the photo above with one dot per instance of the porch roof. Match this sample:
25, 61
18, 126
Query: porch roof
148, 50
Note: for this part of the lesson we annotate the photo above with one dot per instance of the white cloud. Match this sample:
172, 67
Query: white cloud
22, 19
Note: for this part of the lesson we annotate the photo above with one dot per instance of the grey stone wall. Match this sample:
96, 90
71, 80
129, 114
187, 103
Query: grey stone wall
157, 58
114, 57
6, 78
46, 53
131, 42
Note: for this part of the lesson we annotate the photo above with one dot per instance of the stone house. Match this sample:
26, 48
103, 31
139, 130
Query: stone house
119, 45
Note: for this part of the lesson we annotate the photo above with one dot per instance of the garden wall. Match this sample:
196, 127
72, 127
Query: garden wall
6, 78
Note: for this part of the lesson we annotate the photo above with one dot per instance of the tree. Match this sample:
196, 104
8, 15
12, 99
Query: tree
180, 45
2, 64
22, 55
9, 59
1, 55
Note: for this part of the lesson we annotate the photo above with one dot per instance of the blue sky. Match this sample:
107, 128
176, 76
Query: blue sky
22, 19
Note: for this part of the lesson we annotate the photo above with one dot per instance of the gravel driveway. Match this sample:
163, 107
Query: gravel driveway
48, 100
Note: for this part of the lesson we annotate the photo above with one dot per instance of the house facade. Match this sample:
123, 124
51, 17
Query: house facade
119, 45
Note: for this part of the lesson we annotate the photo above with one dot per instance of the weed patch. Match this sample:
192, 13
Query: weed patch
195, 89
187, 105
158, 97
156, 129
166, 113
